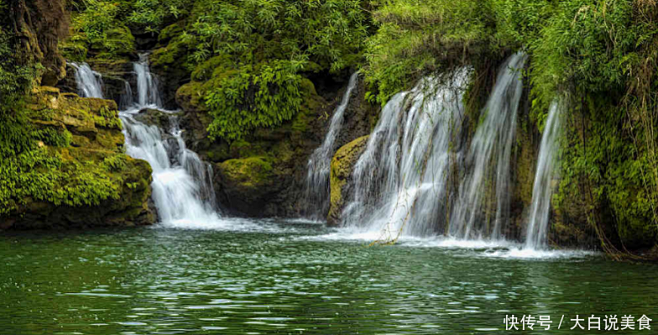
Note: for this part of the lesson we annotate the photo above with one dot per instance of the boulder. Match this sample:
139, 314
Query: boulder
341, 172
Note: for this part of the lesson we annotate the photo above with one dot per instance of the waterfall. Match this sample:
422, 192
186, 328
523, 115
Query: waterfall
126, 101
406, 179
148, 93
90, 84
182, 183
542, 190
319, 164
488, 158
401, 179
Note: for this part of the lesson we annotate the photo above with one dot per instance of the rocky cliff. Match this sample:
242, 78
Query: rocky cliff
63, 163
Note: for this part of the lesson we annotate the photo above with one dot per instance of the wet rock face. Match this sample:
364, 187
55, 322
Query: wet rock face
118, 76
154, 117
39, 25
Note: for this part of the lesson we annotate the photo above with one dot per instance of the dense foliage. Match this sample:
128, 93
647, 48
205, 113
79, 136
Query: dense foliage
266, 47
154, 13
417, 37
251, 97
100, 28
271, 43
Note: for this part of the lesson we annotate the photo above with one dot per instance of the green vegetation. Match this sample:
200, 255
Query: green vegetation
419, 37
40, 165
99, 27
266, 48
244, 100
253, 55
154, 13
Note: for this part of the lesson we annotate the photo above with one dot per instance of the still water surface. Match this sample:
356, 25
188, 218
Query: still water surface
297, 278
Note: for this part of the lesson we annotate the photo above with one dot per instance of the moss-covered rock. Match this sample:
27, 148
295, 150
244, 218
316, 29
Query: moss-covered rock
39, 25
341, 171
248, 173
156, 118
77, 175
169, 62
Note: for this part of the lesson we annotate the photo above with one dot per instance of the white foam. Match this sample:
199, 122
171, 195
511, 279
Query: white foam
502, 249
526, 253
455, 243
354, 234
304, 221
212, 223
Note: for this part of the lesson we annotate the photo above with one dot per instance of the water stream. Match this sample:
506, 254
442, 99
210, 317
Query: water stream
182, 183
405, 183
401, 178
544, 177
488, 159
148, 93
319, 164
90, 83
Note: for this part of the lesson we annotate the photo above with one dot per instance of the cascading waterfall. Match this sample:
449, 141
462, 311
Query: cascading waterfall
148, 93
182, 183
319, 164
488, 158
90, 84
403, 182
401, 177
126, 101
542, 190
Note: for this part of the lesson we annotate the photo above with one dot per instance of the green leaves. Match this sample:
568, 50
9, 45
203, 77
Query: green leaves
418, 37
251, 55
327, 32
251, 98
99, 26
40, 176
154, 13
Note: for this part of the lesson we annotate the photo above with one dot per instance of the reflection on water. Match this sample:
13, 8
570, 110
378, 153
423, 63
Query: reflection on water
296, 278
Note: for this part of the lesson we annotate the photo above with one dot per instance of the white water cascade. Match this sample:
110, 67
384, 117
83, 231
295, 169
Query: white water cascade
182, 183
148, 93
401, 178
542, 190
407, 182
319, 164
488, 159
90, 84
